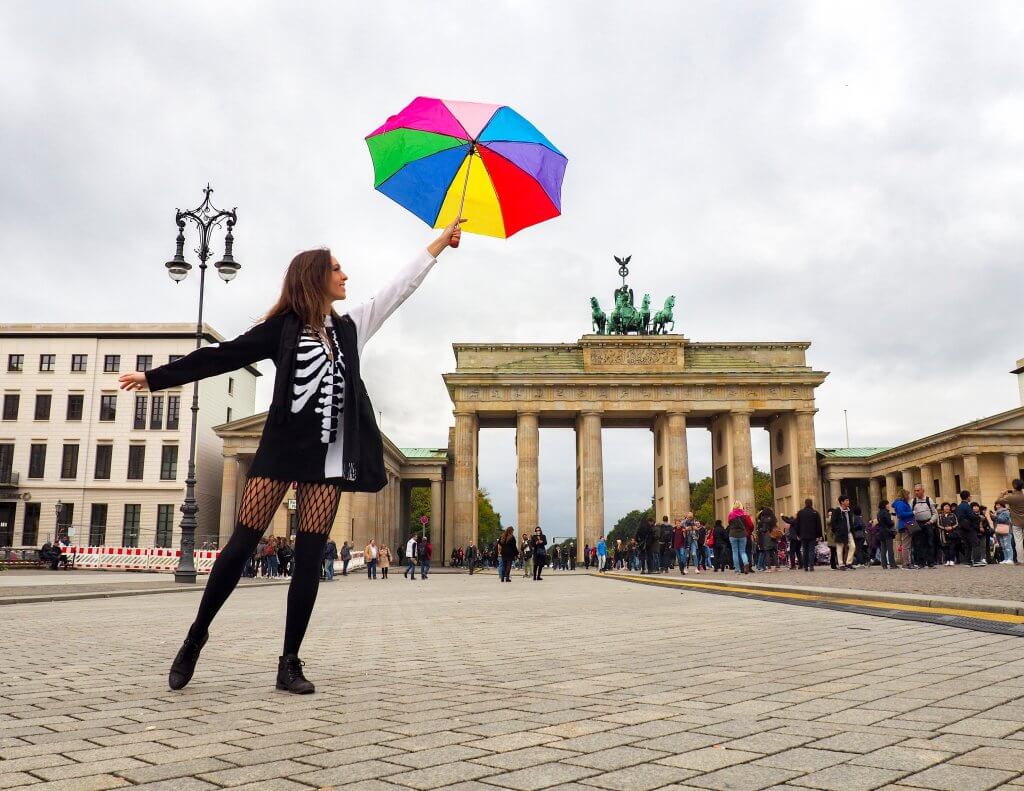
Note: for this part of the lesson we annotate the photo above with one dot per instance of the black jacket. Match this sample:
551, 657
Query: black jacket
885, 523
808, 524
277, 338
645, 535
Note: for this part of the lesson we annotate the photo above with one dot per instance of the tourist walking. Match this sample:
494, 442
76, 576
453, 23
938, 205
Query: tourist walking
644, 545
370, 557
424, 552
508, 551
602, 554
410, 558
538, 543
767, 542
841, 521
739, 523
346, 557
680, 544
384, 560
319, 435
886, 533
471, 558
330, 555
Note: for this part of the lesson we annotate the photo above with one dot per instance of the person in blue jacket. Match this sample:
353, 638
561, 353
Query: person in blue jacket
904, 518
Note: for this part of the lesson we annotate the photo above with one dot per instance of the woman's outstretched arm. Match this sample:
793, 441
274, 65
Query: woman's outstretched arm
259, 343
371, 315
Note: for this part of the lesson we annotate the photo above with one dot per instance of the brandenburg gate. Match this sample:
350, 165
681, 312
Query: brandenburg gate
662, 382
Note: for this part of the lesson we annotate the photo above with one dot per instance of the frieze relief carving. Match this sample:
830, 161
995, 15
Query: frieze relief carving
633, 393
632, 356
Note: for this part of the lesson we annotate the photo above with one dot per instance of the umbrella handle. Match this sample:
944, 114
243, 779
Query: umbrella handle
465, 184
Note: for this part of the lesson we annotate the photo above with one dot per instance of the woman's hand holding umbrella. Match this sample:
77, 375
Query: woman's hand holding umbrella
450, 238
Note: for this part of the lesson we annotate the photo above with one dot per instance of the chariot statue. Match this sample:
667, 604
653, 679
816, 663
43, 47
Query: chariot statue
625, 317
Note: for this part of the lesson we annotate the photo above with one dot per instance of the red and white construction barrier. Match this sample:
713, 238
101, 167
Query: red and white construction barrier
137, 558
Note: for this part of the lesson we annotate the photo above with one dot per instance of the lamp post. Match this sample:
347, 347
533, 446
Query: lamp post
58, 507
206, 217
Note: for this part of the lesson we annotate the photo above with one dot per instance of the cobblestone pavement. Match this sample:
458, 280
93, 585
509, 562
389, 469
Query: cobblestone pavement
466, 684
988, 582
44, 582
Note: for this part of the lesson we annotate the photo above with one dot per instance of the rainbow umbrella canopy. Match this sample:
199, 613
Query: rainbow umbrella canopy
439, 156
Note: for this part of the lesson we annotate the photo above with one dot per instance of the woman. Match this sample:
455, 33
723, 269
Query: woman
346, 556
527, 551
740, 525
284, 557
384, 560
272, 562
508, 551
320, 431
886, 533
539, 543
949, 529
720, 541
904, 522
602, 554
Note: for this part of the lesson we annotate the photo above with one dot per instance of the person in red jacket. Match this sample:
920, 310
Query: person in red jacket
741, 527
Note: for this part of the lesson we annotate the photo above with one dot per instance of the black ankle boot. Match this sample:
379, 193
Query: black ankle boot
184, 664
290, 678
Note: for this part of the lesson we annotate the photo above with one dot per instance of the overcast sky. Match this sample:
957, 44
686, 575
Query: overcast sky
851, 174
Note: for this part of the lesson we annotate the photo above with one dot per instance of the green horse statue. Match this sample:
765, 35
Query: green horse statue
598, 318
664, 317
626, 318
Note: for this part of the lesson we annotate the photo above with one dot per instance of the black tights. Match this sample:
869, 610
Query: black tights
316, 505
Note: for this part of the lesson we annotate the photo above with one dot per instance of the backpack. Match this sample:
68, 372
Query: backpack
931, 507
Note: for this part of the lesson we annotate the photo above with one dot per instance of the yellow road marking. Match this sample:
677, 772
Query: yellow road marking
982, 615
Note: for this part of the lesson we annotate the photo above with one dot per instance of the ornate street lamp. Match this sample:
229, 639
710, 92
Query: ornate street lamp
58, 507
206, 217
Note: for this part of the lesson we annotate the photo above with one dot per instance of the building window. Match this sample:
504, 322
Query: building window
156, 413
79, 362
37, 461
76, 405
15, 362
136, 462
30, 531
7, 525
98, 525
11, 403
69, 462
164, 525
103, 456
231, 385
169, 463
227, 418
66, 519
111, 363
108, 408
6, 461
130, 531
173, 410
956, 484
140, 412
174, 358
143, 362
47, 362
43, 402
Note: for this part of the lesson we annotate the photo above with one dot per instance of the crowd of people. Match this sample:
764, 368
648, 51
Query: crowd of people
912, 532
528, 553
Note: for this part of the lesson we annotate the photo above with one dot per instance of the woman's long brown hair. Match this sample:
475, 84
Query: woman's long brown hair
304, 286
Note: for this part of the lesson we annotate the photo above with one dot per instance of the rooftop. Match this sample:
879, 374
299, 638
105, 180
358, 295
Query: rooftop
425, 453
850, 453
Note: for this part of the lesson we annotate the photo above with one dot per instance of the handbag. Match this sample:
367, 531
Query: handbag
1002, 529
913, 528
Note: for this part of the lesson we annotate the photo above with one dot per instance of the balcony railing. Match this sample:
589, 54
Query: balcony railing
9, 478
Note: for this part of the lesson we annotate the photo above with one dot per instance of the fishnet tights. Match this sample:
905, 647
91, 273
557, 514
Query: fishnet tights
316, 505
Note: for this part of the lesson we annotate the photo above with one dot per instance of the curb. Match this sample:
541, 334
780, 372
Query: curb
115, 594
840, 595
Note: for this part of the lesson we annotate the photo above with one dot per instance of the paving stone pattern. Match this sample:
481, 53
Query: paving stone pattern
574, 684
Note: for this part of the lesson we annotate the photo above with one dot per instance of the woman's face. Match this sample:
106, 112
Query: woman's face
336, 281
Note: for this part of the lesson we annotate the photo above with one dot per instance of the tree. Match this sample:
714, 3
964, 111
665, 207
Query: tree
489, 519
419, 505
626, 527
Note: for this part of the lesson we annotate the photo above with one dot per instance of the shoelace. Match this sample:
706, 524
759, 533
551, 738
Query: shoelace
295, 669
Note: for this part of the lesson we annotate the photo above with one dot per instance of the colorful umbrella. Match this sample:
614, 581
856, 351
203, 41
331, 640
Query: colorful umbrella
442, 159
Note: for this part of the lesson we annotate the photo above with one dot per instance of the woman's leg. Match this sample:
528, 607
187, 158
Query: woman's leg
260, 500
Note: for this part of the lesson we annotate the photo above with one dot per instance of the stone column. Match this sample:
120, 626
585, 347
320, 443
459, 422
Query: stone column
676, 466
947, 482
228, 501
891, 486
928, 480
806, 455
910, 477
527, 477
742, 460
1011, 467
835, 489
464, 528
971, 480
436, 528
590, 480
874, 498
